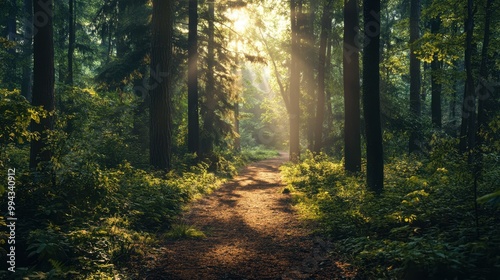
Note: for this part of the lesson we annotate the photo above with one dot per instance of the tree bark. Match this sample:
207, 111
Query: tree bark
328, 92
11, 35
352, 138
294, 113
208, 138
415, 76
193, 115
485, 90
26, 85
71, 42
43, 82
371, 97
326, 25
436, 86
467, 130
308, 36
161, 85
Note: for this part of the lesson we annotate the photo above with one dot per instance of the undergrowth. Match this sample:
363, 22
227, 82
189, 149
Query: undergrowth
423, 225
97, 203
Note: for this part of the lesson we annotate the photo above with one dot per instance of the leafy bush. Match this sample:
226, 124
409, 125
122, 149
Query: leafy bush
422, 226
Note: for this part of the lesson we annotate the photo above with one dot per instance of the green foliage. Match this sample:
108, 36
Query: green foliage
421, 226
93, 209
181, 231
94, 219
98, 128
258, 153
17, 114
492, 198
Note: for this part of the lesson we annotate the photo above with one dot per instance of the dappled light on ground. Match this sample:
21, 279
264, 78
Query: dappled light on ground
252, 233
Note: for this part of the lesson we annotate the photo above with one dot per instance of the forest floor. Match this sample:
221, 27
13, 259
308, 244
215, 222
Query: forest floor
252, 232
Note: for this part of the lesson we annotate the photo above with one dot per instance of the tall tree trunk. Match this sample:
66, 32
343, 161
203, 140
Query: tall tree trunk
352, 138
60, 42
161, 85
193, 117
294, 113
237, 138
467, 130
326, 25
485, 90
26, 85
11, 35
371, 97
43, 83
71, 43
208, 138
415, 78
308, 36
328, 91
436, 86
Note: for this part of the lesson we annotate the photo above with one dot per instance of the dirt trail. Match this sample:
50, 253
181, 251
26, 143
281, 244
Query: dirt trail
252, 233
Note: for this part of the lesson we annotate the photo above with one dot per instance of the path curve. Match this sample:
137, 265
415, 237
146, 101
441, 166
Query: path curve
252, 233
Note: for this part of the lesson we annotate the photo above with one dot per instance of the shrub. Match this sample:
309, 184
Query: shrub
421, 226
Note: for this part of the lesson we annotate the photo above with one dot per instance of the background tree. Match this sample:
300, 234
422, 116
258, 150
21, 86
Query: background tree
43, 81
485, 90
208, 111
27, 80
415, 77
436, 86
161, 85
10, 33
352, 138
467, 128
371, 96
294, 111
71, 42
326, 26
193, 117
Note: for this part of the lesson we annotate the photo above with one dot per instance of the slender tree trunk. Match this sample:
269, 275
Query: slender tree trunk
326, 25
294, 113
208, 139
328, 91
283, 90
371, 97
60, 41
415, 78
485, 90
193, 115
11, 34
71, 43
26, 85
436, 86
161, 85
43, 83
454, 96
467, 131
308, 36
237, 138
352, 138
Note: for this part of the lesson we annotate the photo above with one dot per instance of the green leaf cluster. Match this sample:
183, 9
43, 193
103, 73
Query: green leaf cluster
423, 224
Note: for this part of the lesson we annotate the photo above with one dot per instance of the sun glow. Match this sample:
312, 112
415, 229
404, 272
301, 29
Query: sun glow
240, 19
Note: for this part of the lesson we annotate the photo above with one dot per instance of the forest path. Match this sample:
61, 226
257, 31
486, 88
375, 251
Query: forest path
252, 232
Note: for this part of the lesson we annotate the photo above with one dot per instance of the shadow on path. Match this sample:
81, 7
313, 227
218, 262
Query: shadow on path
252, 233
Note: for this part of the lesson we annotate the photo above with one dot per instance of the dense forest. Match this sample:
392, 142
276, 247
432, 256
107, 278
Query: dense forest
116, 115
